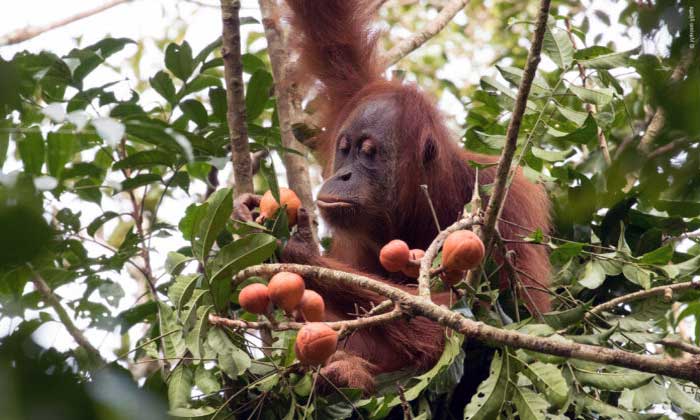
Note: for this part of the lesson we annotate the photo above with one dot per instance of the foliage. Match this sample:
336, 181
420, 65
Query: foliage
90, 177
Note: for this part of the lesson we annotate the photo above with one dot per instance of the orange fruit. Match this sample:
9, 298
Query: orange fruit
286, 290
312, 306
394, 255
413, 270
255, 298
315, 343
462, 250
269, 206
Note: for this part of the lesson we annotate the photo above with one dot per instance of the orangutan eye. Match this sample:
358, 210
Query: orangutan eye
344, 145
368, 148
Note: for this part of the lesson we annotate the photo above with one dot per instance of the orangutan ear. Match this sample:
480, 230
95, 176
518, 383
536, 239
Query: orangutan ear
429, 150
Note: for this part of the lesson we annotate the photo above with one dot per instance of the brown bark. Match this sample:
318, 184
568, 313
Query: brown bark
236, 114
288, 107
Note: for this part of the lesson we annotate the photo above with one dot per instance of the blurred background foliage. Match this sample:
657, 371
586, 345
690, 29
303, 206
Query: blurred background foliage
114, 210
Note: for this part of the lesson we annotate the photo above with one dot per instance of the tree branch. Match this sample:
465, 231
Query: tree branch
432, 251
503, 170
642, 294
680, 345
409, 45
236, 113
30, 32
288, 106
52, 300
412, 305
347, 325
658, 121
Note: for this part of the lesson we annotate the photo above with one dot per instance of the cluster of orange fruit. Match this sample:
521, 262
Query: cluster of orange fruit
315, 341
463, 250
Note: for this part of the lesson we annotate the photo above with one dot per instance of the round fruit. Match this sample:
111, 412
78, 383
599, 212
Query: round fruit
312, 306
255, 298
394, 255
462, 250
412, 270
269, 206
286, 290
315, 343
451, 278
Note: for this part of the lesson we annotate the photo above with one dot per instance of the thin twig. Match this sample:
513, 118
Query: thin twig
642, 294
503, 170
30, 32
236, 113
680, 345
418, 306
409, 45
52, 300
432, 251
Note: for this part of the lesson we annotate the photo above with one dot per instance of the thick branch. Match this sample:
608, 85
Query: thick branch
52, 300
288, 106
418, 306
642, 294
236, 114
504, 164
409, 45
659, 119
30, 32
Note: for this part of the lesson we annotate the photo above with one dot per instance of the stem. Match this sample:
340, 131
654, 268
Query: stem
504, 164
52, 300
30, 32
236, 113
642, 294
411, 44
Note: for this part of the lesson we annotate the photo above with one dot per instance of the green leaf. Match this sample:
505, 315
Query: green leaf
162, 84
515, 75
606, 61
31, 151
251, 63
139, 181
192, 413
173, 343
683, 400
577, 117
178, 59
489, 83
548, 380
206, 51
637, 275
257, 93
593, 275
551, 155
180, 386
234, 363
557, 45
583, 135
218, 212
181, 290
563, 319
145, 159
99, 221
60, 148
195, 111
491, 394
606, 377
138, 313
249, 250
658, 256
530, 406
206, 380
599, 96
175, 262
200, 82
600, 408
193, 340
217, 99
